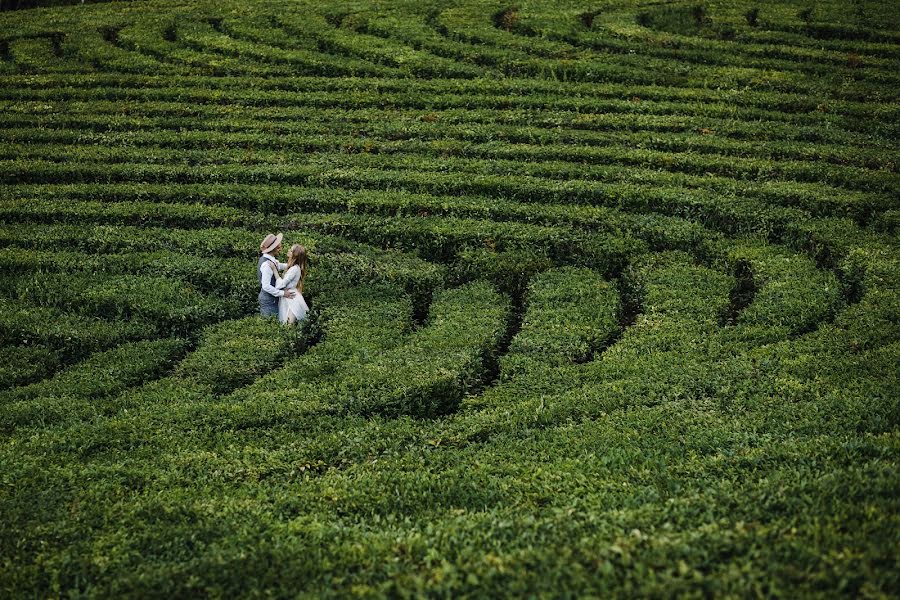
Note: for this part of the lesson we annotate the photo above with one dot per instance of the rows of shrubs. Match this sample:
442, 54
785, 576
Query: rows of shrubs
572, 332
571, 144
532, 126
571, 314
805, 235
535, 49
610, 164
366, 478
672, 194
283, 184
451, 44
70, 290
638, 101
810, 56
483, 93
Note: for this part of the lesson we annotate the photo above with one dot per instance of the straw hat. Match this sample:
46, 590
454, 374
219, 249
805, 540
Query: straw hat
271, 242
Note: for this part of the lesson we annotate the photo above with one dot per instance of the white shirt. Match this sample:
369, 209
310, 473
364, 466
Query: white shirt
269, 267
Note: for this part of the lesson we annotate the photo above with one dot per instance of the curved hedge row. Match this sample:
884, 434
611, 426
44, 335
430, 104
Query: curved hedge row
570, 314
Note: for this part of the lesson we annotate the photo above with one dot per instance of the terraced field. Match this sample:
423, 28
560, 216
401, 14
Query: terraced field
604, 299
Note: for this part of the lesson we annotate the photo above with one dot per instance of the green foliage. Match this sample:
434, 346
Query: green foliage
20, 365
571, 313
791, 294
159, 302
105, 373
234, 353
80, 391
604, 299
441, 362
752, 16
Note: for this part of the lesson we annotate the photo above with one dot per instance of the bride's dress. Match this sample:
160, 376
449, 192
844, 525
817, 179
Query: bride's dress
295, 306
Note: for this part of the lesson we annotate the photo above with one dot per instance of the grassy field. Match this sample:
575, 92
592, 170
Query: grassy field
604, 299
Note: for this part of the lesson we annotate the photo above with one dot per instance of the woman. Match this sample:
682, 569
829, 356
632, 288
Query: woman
293, 309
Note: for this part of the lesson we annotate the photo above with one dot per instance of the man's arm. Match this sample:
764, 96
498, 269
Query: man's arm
266, 269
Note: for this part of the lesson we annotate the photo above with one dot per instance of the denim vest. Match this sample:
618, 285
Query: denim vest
268, 304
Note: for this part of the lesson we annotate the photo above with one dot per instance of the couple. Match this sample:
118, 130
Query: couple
282, 296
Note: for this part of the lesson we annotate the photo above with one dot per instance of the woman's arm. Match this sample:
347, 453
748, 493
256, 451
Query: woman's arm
289, 277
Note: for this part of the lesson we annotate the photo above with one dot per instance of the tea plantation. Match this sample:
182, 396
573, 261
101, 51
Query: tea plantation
605, 299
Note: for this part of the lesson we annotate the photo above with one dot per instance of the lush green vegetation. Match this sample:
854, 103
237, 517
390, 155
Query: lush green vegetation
605, 299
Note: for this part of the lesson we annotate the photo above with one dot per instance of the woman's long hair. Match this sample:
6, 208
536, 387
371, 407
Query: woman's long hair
297, 256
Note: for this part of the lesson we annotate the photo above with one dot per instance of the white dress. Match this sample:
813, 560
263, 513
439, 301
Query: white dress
296, 306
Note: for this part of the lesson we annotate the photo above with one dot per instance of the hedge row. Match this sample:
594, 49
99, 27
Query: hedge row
40, 54
725, 214
198, 206
105, 373
406, 232
218, 258
543, 126
441, 238
100, 49
791, 107
676, 334
78, 391
800, 236
434, 238
552, 161
21, 365
571, 313
207, 41
439, 364
68, 337
231, 354
531, 203
469, 35
365, 364
671, 457
547, 183
712, 61
162, 305
347, 471
581, 145
286, 31
621, 35
210, 50
790, 294
797, 111
356, 325
154, 38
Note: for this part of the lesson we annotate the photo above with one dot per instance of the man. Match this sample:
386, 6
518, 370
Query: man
267, 270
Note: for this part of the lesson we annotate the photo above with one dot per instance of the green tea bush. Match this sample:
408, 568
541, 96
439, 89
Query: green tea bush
792, 296
160, 303
510, 269
21, 365
355, 326
107, 372
69, 336
234, 353
82, 390
571, 313
449, 357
